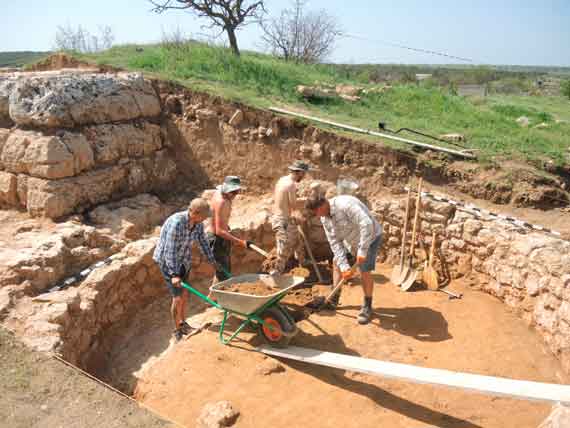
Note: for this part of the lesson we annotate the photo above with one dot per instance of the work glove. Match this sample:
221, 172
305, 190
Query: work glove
248, 244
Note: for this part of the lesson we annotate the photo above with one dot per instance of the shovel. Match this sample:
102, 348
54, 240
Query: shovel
321, 302
429, 275
411, 274
398, 274
258, 250
308, 248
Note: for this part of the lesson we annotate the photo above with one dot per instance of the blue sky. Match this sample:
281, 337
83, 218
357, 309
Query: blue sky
489, 32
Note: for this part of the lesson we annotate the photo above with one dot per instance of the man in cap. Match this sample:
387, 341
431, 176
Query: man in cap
283, 223
173, 254
351, 229
217, 228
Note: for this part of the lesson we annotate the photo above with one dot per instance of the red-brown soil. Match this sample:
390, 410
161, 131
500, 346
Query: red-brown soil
476, 334
258, 288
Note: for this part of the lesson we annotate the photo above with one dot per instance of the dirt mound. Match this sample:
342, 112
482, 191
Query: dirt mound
61, 60
253, 288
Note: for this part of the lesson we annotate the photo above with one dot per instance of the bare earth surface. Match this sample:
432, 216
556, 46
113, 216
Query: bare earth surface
476, 334
39, 391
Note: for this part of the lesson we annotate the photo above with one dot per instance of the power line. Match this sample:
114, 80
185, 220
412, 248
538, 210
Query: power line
397, 45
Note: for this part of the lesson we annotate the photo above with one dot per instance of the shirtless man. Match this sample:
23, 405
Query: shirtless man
217, 228
284, 225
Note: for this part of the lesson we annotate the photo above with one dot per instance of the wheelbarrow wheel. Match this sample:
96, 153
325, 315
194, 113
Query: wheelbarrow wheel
278, 327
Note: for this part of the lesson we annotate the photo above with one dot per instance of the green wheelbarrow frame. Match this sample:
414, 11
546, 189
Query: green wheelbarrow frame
250, 317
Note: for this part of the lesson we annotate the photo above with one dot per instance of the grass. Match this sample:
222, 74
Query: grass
19, 59
262, 80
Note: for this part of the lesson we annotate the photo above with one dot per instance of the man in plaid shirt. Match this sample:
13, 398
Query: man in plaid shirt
351, 229
173, 254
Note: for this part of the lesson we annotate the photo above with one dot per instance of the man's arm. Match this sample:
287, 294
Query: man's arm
337, 247
204, 245
356, 213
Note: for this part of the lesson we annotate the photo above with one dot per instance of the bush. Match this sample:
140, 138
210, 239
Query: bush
565, 88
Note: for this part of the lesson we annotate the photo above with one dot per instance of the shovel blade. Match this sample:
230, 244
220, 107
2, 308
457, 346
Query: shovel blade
409, 280
397, 274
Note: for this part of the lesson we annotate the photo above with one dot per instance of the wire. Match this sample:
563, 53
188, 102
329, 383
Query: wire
397, 45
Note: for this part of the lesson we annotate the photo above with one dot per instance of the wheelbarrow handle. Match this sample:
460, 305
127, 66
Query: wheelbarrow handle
200, 295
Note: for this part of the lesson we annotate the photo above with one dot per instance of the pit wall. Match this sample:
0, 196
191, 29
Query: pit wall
72, 140
528, 271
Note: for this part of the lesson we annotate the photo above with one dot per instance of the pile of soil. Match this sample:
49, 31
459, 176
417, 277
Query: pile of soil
300, 271
257, 288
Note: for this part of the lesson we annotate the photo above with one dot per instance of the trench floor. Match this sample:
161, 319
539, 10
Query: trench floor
477, 334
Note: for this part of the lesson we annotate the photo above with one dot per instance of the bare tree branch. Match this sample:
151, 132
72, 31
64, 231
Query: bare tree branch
302, 37
229, 15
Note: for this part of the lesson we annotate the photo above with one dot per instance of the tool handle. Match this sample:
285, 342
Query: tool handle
308, 247
336, 287
406, 221
259, 250
431, 250
416, 216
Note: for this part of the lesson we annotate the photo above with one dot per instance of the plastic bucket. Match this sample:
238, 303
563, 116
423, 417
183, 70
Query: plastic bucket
346, 186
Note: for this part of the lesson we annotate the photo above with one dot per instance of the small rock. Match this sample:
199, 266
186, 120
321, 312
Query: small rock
454, 138
217, 415
270, 366
523, 121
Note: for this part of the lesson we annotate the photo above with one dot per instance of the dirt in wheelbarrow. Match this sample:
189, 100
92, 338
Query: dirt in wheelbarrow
258, 288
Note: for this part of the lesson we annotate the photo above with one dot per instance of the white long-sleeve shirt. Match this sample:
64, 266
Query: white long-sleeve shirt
351, 226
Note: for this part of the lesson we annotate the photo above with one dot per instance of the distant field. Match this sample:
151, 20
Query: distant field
19, 59
262, 80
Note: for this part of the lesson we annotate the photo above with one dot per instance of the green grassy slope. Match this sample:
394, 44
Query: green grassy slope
261, 80
19, 59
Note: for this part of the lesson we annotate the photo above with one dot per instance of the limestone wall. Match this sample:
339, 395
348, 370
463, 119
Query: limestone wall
528, 271
79, 139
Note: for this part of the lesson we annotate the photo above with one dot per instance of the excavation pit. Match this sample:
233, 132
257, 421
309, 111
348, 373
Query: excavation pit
113, 320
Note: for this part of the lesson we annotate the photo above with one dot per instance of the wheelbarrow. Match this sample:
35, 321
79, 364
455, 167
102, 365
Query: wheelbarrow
273, 321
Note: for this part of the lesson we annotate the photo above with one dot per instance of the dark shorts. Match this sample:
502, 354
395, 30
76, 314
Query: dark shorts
175, 291
370, 262
222, 249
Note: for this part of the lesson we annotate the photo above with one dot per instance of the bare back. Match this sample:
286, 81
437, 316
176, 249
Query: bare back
285, 197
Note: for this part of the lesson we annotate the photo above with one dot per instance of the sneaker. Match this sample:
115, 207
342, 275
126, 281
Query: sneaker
364, 315
185, 327
178, 335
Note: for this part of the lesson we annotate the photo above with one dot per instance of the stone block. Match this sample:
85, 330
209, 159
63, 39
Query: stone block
46, 156
72, 100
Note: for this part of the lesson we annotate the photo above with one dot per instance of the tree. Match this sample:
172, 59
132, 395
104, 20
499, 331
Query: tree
68, 38
299, 36
565, 88
228, 15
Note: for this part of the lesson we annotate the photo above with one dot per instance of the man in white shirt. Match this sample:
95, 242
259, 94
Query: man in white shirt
351, 229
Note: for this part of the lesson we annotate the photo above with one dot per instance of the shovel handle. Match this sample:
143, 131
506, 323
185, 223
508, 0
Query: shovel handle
416, 216
406, 221
431, 250
259, 250
308, 248
336, 287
